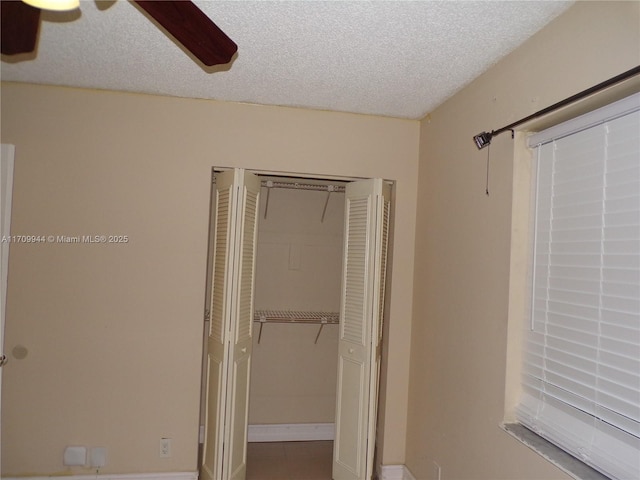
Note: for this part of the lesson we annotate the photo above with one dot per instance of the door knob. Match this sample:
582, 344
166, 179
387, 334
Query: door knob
3, 360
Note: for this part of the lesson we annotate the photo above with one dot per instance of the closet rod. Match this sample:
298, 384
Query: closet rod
302, 186
299, 186
269, 184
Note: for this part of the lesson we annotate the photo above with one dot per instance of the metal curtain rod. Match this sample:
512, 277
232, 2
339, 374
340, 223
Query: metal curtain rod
483, 139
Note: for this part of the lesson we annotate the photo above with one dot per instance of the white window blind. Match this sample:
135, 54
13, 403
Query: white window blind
581, 372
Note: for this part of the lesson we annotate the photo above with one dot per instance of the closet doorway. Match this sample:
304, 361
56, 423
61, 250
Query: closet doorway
309, 269
295, 348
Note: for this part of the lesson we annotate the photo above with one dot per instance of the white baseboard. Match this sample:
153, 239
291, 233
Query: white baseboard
291, 432
408, 475
118, 476
394, 472
391, 472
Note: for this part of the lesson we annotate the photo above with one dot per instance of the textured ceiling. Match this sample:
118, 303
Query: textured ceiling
391, 58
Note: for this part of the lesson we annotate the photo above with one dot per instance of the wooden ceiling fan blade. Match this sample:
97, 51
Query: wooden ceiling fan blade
20, 23
193, 29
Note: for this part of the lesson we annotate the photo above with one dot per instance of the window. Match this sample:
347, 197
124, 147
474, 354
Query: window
581, 372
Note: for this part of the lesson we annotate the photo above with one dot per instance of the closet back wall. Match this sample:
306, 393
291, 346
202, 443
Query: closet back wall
298, 267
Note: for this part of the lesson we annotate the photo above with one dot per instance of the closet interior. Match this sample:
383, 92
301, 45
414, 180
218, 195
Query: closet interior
297, 300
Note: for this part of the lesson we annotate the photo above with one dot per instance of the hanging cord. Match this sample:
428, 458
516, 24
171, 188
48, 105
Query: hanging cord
513, 133
487, 181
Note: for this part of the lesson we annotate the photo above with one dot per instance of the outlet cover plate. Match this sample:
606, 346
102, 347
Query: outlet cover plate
98, 457
75, 456
165, 447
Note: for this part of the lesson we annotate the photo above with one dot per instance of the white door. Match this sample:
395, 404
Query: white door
6, 188
365, 253
234, 221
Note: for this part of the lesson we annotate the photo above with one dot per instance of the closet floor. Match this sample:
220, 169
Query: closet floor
289, 460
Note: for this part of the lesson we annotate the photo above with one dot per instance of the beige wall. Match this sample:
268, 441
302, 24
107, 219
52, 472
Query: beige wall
298, 267
114, 331
459, 349
293, 380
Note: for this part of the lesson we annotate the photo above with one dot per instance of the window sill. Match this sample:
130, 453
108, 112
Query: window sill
566, 462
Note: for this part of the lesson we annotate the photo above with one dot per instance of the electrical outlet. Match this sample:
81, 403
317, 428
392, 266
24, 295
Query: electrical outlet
165, 447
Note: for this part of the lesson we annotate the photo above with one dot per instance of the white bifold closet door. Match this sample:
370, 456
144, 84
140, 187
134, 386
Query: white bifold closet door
359, 345
233, 244
233, 229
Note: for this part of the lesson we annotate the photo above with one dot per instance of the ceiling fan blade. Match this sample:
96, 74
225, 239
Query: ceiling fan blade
19, 25
193, 29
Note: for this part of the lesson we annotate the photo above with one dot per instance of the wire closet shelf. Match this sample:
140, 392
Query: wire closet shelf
296, 316
269, 184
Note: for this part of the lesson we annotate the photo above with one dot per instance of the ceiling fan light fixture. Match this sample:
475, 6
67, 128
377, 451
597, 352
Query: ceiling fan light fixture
56, 5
